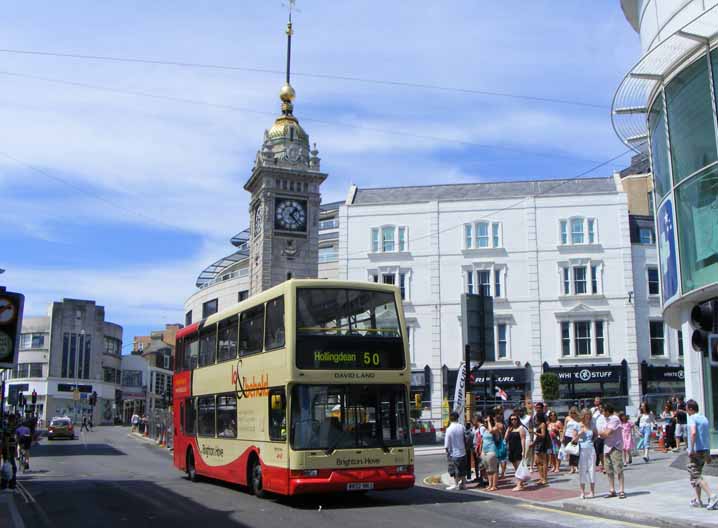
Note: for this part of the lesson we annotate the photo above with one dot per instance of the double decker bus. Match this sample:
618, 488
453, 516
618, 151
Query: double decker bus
302, 388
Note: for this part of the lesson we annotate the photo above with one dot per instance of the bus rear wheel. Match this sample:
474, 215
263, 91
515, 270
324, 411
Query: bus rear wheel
255, 482
191, 469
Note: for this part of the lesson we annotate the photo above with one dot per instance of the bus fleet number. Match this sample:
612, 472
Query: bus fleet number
372, 359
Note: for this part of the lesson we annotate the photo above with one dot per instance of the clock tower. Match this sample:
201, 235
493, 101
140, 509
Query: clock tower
284, 208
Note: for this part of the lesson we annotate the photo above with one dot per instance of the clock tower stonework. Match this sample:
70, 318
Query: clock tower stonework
284, 208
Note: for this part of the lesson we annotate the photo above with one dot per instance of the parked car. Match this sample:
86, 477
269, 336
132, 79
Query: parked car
60, 427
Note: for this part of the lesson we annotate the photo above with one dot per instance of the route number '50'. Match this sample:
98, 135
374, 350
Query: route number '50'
371, 359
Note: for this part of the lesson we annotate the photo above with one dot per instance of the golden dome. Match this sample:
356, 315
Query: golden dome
287, 93
280, 128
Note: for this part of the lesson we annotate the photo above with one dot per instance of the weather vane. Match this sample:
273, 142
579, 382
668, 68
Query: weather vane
292, 6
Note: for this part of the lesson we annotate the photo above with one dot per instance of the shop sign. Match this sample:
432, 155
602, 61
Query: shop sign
499, 376
607, 374
671, 374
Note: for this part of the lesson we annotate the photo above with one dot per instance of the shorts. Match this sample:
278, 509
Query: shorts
696, 461
26, 443
457, 467
679, 430
490, 462
613, 462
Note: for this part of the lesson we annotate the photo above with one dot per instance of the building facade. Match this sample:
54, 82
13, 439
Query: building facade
666, 107
74, 347
571, 265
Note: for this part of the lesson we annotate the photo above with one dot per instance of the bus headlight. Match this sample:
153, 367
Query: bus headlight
402, 469
310, 473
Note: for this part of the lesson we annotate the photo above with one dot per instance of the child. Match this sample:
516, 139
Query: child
627, 426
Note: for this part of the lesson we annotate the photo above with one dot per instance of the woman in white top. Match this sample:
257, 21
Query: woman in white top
587, 453
646, 422
571, 428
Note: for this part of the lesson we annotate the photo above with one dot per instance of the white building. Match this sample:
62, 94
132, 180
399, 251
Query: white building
72, 348
563, 259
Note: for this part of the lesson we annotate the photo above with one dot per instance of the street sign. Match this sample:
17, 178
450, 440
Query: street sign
11, 305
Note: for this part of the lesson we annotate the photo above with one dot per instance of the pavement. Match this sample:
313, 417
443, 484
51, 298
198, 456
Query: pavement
111, 478
657, 494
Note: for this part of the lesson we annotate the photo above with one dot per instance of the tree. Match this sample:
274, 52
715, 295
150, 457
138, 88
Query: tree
549, 386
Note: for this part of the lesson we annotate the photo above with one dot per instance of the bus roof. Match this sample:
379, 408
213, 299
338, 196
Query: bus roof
283, 287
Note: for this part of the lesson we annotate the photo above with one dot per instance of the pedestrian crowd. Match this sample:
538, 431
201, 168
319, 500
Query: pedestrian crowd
535, 441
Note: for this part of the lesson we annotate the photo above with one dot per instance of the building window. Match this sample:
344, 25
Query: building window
209, 308
328, 254
402, 238
387, 278
594, 279
132, 378
375, 240
650, 203
242, 295
484, 282
497, 283
29, 341
582, 337
680, 343
329, 224
599, 338
112, 346
486, 235
656, 330
188, 318
566, 281
582, 231
470, 282
501, 343
387, 239
645, 235
375, 278
579, 280
402, 285
653, 282
565, 339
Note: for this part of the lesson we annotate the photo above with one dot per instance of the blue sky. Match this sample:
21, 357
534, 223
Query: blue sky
124, 199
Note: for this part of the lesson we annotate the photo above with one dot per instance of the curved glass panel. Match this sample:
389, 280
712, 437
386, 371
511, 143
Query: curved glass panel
697, 215
690, 120
659, 148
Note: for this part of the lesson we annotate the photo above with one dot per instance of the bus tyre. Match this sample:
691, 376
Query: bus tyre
255, 483
191, 469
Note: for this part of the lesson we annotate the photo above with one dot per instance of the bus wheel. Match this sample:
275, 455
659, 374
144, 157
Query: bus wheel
255, 484
191, 470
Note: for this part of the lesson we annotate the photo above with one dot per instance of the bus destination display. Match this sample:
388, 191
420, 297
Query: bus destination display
364, 353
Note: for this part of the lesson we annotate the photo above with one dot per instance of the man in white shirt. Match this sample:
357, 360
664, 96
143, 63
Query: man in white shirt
455, 445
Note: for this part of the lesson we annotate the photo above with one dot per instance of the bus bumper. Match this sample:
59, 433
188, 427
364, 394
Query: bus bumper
346, 479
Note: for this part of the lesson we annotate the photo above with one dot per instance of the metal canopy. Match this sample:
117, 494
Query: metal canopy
630, 102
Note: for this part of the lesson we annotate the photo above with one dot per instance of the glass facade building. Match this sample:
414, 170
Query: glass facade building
683, 138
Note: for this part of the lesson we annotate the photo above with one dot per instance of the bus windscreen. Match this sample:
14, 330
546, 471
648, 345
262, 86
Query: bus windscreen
339, 328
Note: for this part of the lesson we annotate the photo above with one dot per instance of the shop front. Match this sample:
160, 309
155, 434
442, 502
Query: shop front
660, 383
580, 384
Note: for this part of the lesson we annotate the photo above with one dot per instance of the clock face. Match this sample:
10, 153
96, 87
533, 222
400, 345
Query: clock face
7, 311
293, 153
290, 215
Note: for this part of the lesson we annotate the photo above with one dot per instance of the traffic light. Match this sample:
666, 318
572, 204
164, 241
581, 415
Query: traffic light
34, 396
704, 319
20, 399
417, 400
477, 326
11, 305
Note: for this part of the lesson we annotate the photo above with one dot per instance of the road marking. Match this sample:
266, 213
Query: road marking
584, 516
16, 519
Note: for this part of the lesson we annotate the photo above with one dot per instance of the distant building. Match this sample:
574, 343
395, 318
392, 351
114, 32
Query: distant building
73, 347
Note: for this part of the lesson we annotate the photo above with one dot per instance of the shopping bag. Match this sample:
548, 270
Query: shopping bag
522, 472
562, 453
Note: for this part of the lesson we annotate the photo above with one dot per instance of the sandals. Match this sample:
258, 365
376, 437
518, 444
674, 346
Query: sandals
611, 495
622, 495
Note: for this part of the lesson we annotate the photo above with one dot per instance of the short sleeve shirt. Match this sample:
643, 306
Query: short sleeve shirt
700, 422
615, 439
454, 440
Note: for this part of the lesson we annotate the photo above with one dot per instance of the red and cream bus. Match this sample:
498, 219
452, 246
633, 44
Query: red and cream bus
302, 388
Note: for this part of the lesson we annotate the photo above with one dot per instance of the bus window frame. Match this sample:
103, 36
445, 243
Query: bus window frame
227, 323
261, 349
284, 324
203, 332
214, 399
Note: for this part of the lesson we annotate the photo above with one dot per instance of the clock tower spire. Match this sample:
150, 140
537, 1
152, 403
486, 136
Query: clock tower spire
284, 207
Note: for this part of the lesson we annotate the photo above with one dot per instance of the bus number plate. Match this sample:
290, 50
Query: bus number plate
360, 486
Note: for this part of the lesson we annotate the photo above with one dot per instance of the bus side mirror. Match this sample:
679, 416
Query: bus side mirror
277, 402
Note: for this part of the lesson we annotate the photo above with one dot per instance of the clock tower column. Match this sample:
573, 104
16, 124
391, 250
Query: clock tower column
284, 208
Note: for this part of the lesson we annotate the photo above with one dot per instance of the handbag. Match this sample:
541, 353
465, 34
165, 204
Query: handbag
571, 449
522, 472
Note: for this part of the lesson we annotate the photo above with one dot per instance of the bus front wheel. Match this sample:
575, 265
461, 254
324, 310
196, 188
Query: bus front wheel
191, 469
255, 482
